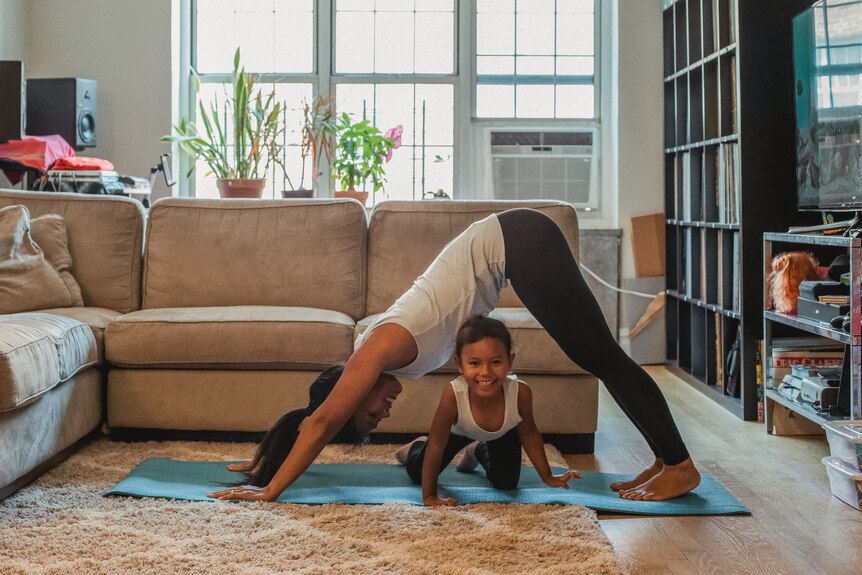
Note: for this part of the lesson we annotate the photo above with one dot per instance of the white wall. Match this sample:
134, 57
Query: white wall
640, 136
13, 36
125, 45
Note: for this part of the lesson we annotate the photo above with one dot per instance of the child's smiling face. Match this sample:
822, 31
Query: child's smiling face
485, 365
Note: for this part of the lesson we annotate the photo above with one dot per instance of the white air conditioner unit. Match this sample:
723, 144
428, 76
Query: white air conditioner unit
546, 165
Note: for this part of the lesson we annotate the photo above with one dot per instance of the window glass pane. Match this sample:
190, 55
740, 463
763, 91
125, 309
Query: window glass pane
495, 101
568, 66
575, 101
398, 37
495, 34
395, 5
255, 36
354, 5
535, 34
391, 55
495, 65
577, 6
216, 40
534, 101
535, 6
294, 42
436, 5
273, 35
575, 35
354, 42
495, 5
438, 100
529, 65
435, 43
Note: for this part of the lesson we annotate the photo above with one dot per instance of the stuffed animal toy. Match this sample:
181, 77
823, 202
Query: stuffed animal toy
788, 271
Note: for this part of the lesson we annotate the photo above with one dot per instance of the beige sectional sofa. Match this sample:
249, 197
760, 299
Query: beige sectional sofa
52, 361
232, 310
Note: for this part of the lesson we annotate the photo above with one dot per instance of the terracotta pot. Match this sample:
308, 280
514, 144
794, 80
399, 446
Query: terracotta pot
361, 196
297, 193
241, 188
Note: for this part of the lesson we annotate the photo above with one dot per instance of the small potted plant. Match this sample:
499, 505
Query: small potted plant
362, 150
240, 139
318, 140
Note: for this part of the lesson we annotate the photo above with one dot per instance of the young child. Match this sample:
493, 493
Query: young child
486, 410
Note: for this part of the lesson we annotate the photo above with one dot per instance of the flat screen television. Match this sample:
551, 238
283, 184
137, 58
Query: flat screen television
827, 62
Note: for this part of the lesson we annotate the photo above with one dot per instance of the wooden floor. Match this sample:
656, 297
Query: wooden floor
796, 525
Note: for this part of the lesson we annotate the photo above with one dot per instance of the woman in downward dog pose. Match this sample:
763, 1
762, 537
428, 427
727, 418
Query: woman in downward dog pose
488, 406
416, 335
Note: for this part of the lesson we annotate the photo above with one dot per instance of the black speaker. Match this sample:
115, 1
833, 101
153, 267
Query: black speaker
12, 100
64, 106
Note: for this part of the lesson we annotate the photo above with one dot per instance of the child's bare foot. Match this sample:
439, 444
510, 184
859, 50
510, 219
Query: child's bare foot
468, 460
641, 477
672, 481
404, 450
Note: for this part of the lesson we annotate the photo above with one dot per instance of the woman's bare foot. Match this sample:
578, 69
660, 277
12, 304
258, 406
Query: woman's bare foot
404, 450
672, 481
641, 477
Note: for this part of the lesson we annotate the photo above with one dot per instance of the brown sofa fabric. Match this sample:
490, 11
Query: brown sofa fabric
404, 237
239, 337
49, 233
37, 352
28, 280
302, 253
105, 241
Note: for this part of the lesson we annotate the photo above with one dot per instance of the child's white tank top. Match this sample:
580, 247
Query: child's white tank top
463, 281
466, 424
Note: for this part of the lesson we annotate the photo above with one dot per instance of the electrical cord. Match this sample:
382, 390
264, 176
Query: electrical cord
616, 289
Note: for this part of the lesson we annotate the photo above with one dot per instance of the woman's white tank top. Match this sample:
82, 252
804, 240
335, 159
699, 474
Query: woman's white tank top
463, 281
466, 424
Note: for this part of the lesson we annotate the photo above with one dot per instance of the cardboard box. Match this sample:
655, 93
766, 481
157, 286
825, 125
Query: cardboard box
648, 245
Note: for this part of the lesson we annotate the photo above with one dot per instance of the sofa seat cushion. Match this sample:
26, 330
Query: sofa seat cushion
535, 351
97, 318
37, 352
231, 337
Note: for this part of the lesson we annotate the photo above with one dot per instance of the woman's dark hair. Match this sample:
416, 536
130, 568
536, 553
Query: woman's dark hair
279, 440
478, 328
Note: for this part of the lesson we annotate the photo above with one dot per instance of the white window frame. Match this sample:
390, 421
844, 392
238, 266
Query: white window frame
471, 179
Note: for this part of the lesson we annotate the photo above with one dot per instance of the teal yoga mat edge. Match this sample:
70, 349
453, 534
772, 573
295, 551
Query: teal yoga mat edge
377, 484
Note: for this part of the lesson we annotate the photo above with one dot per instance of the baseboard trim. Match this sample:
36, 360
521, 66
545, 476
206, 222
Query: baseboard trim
46, 465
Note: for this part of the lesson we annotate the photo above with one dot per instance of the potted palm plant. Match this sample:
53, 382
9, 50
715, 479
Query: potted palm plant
318, 141
362, 150
240, 139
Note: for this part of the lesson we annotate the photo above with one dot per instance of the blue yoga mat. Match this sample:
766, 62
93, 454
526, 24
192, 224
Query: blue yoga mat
376, 484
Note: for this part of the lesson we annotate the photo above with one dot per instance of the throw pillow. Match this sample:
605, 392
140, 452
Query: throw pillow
27, 280
49, 233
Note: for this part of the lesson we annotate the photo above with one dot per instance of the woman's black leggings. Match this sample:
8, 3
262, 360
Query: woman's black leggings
546, 277
502, 460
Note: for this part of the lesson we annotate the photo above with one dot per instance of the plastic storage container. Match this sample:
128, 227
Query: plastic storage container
845, 442
846, 484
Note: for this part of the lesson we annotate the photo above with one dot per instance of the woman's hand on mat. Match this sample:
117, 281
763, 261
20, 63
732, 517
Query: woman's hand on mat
562, 480
245, 492
437, 501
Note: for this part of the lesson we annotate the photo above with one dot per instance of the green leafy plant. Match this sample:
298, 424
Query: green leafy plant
241, 138
362, 151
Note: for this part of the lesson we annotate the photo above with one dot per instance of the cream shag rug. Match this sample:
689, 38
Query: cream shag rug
61, 524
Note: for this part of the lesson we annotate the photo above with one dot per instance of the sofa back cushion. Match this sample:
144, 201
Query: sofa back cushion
105, 238
304, 253
404, 238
